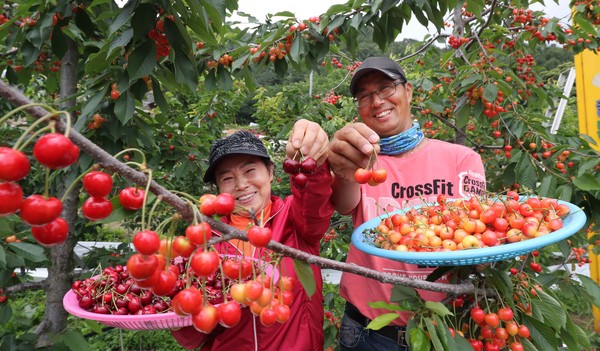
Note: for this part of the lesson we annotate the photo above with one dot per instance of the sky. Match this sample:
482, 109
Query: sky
307, 8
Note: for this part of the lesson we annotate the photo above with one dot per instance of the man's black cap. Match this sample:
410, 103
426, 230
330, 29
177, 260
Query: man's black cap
381, 64
242, 142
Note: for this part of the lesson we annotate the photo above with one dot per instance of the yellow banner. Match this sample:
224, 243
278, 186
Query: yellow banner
587, 67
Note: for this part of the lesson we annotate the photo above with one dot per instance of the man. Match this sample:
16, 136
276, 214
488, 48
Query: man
419, 169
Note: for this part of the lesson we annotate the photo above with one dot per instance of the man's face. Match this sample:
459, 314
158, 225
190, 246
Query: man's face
389, 116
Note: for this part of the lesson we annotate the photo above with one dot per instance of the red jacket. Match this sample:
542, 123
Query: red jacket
299, 221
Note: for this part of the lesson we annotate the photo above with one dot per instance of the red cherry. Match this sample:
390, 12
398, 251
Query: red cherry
283, 313
300, 180
14, 165
232, 268
505, 314
189, 300
308, 165
204, 263
259, 236
268, 317
96, 208
146, 242
142, 266
98, 184
55, 151
132, 198
38, 210
11, 198
183, 246
199, 233
51, 234
230, 314
362, 176
207, 204
291, 166
379, 175
165, 284
477, 314
224, 204
206, 320
114, 94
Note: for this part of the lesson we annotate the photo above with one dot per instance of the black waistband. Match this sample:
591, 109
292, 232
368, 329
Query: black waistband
395, 333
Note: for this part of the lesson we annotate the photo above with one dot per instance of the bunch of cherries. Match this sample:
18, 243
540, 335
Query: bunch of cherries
299, 169
41, 212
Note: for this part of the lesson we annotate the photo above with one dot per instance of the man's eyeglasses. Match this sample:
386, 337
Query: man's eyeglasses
384, 91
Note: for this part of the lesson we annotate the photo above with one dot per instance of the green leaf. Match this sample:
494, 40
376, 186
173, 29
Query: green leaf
528, 345
30, 252
382, 320
471, 79
59, 42
337, 9
185, 70
552, 311
5, 313
547, 186
385, 305
438, 308
83, 22
526, 173
587, 182
122, 18
476, 7
541, 333
159, 97
74, 340
435, 339
418, 340
124, 107
591, 288
306, 276
143, 20
490, 92
142, 61
2, 258
295, 49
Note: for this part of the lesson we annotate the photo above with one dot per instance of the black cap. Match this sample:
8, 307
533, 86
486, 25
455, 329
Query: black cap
242, 142
381, 64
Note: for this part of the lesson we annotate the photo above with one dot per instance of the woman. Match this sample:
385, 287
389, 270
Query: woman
240, 165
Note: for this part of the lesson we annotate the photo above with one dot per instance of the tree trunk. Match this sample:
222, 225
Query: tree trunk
61, 256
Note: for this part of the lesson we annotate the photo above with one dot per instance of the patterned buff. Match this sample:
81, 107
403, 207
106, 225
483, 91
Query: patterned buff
403, 142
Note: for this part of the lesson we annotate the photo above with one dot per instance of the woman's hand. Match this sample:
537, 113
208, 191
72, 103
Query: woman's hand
310, 139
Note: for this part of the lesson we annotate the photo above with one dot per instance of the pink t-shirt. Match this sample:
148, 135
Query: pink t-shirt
436, 168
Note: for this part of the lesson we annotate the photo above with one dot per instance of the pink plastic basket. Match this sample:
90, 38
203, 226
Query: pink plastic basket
166, 320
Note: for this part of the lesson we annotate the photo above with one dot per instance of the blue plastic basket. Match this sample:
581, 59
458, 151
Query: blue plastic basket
574, 221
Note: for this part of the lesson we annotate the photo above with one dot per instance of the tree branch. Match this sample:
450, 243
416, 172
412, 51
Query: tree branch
107, 161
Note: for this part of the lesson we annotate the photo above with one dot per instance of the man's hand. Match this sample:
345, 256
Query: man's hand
351, 148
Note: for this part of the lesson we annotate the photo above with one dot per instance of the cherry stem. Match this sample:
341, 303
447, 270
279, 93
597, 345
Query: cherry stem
30, 138
32, 127
222, 279
146, 200
46, 181
132, 150
24, 107
376, 158
156, 203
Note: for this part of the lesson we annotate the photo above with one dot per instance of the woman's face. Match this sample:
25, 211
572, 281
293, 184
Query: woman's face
247, 178
389, 116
